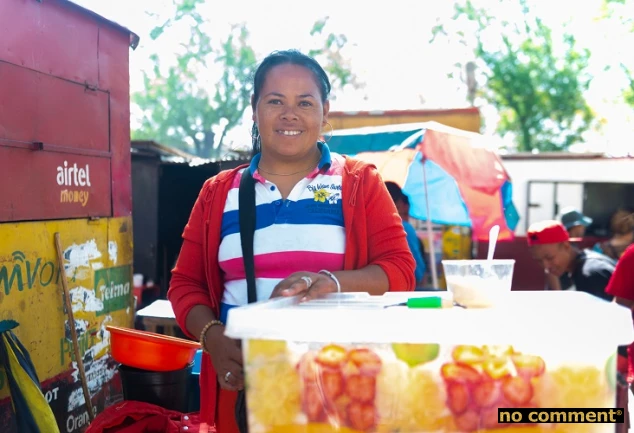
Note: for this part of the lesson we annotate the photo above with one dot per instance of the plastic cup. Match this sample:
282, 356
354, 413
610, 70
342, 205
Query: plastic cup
479, 283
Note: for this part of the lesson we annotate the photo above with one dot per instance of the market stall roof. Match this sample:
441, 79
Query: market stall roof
172, 155
371, 138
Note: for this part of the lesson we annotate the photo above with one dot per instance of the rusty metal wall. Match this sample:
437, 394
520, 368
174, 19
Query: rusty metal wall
64, 105
65, 167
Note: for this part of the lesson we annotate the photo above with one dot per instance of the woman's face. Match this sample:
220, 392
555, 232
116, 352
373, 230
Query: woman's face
290, 114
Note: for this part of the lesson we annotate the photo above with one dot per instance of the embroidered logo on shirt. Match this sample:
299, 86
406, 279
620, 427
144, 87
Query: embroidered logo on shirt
323, 192
321, 195
334, 198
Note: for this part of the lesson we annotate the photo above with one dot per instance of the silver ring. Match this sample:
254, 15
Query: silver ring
308, 281
227, 376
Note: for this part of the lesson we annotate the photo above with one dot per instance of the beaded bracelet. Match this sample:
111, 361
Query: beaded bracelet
332, 276
203, 334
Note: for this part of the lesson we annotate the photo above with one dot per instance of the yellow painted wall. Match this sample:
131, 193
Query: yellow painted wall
464, 121
98, 262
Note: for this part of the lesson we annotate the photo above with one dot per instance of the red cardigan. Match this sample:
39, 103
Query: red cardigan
622, 285
374, 236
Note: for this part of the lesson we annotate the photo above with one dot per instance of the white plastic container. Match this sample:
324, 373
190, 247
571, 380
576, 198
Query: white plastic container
355, 363
479, 283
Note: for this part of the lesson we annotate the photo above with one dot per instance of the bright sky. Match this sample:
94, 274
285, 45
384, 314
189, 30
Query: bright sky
389, 50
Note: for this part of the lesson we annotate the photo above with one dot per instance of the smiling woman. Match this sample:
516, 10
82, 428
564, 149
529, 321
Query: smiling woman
290, 99
323, 223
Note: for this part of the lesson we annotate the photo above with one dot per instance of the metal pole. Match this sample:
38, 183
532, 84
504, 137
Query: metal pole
430, 234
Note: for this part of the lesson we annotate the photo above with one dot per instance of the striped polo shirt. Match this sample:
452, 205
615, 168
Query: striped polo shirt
304, 232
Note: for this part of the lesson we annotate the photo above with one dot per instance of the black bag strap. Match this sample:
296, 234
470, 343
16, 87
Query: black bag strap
246, 214
246, 218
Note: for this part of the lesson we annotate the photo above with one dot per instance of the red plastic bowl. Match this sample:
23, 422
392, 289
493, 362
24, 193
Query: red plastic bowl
150, 351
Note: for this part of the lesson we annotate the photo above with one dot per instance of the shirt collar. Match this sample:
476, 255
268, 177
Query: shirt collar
324, 162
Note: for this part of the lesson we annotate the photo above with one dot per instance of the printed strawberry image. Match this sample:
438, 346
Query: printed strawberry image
365, 360
458, 397
468, 421
312, 403
341, 409
361, 416
487, 393
339, 386
361, 388
331, 383
461, 373
517, 390
489, 418
482, 379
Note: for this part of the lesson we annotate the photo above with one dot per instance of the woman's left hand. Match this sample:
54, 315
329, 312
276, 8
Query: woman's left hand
310, 284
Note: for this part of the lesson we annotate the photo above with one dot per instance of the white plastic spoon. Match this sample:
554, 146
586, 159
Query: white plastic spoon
493, 238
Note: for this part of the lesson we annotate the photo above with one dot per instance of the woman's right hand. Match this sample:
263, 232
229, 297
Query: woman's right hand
226, 357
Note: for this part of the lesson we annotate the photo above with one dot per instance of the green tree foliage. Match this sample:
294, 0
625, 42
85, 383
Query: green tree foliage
628, 93
193, 102
622, 12
179, 106
536, 84
330, 56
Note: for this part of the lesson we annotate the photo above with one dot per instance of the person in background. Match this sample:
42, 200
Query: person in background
325, 223
575, 223
622, 228
582, 270
405, 217
621, 286
401, 202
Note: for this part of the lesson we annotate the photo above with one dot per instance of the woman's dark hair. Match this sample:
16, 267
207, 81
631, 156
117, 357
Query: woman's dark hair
622, 222
396, 192
276, 58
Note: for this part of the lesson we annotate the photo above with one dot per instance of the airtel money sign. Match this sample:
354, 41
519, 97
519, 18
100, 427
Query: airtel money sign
73, 177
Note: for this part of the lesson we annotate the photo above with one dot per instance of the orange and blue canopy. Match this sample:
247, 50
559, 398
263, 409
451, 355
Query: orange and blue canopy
466, 182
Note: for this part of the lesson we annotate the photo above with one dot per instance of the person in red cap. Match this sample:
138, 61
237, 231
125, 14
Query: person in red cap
582, 270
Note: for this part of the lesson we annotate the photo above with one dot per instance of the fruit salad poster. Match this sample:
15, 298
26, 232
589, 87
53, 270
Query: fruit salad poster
420, 388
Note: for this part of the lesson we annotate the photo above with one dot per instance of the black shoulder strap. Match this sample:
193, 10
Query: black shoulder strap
246, 214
